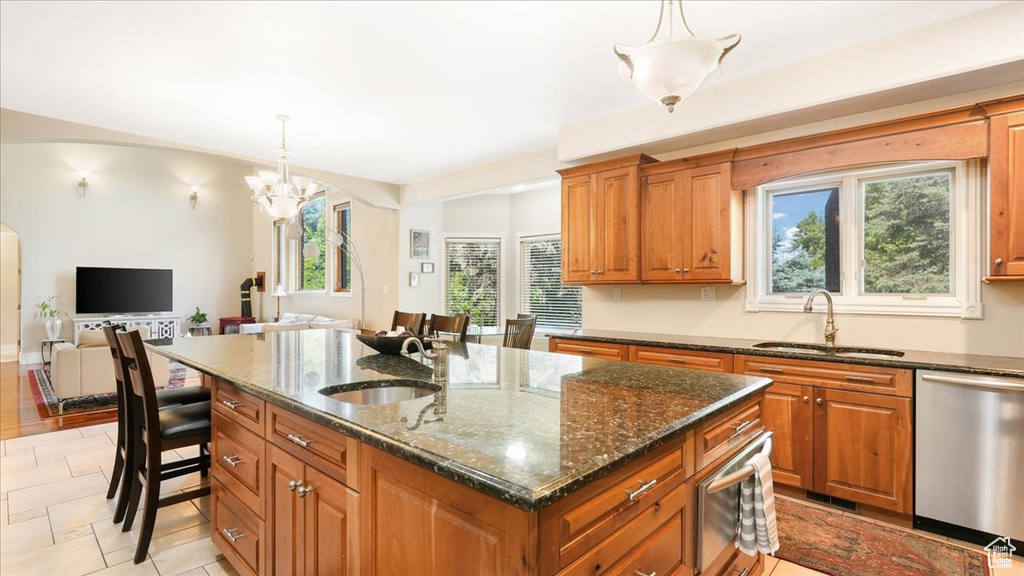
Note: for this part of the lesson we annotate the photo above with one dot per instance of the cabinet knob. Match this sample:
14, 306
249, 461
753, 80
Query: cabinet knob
600, 271
305, 490
999, 261
678, 270
686, 270
294, 484
819, 401
807, 398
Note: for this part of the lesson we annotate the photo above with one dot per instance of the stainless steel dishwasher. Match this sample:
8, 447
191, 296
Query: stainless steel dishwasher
969, 457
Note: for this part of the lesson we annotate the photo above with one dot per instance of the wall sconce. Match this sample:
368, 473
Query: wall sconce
194, 197
83, 184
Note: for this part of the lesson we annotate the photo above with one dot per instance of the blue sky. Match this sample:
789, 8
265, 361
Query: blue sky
788, 209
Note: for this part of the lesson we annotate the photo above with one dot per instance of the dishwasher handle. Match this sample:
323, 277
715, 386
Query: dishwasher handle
991, 384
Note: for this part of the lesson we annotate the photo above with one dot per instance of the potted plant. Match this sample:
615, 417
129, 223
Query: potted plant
198, 320
50, 312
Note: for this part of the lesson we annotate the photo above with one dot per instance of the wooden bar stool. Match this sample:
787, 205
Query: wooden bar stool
157, 430
519, 332
454, 325
167, 397
413, 321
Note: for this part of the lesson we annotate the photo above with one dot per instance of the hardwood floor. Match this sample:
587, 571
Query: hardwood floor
18, 413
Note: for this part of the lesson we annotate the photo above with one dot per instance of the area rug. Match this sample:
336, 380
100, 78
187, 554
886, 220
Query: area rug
847, 546
48, 405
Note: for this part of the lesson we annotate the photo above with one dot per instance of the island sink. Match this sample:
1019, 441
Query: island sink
380, 391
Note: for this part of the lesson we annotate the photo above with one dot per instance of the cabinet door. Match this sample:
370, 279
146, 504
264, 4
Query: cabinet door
661, 214
787, 411
617, 216
706, 211
284, 513
1006, 166
331, 526
863, 448
579, 234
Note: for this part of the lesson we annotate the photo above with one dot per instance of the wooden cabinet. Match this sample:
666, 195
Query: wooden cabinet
687, 223
601, 222
312, 520
589, 349
711, 361
834, 434
1006, 193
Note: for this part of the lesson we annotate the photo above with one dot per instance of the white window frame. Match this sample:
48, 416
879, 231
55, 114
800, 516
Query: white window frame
341, 201
519, 305
502, 268
965, 254
296, 254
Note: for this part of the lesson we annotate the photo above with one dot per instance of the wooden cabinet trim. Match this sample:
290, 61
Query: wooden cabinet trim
696, 359
611, 164
855, 377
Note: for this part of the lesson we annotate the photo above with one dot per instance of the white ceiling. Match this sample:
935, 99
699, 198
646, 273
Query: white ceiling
393, 91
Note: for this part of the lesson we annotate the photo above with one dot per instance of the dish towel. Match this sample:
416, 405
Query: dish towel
757, 530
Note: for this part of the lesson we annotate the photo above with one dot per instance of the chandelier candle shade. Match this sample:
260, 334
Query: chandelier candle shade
279, 193
671, 67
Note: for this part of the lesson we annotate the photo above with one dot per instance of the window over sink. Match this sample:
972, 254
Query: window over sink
898, 239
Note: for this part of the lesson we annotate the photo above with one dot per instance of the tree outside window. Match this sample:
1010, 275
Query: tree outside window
312, 244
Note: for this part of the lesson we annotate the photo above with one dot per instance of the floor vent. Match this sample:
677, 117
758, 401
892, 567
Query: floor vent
832, 501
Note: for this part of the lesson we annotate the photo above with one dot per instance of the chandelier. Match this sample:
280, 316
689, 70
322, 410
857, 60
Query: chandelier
669, 68
279, 193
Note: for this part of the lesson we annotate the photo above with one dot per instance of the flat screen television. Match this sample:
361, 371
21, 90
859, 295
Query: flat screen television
123, 290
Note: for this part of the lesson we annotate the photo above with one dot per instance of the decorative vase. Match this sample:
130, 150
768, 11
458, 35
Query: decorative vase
53, 326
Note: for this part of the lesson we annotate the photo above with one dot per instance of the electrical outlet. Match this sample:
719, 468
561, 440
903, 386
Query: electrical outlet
384, 290
707, 293
617, 292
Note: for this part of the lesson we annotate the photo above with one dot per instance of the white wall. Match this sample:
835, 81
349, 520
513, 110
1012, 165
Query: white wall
135, 214
10, 323
427, 297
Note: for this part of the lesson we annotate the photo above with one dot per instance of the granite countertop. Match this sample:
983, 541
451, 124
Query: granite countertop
912, 359
524, 426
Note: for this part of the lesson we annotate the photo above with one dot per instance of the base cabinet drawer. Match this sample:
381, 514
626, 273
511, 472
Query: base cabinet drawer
724, 433
712, 361
242, 407
236, 531
238, 456
589, 349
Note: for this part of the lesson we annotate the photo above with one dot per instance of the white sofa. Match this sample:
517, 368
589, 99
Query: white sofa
289, 321
88, 368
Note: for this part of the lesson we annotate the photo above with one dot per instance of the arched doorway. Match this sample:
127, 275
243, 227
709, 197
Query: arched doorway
10, 294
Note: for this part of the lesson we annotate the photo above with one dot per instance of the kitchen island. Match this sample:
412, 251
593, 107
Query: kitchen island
525, 463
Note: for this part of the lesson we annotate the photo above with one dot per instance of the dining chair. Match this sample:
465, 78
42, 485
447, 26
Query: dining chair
124, 450
456, 325
156, 431
519, 333
413, 321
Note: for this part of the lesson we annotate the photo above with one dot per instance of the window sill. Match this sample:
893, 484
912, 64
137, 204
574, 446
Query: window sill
938, 307
347, 294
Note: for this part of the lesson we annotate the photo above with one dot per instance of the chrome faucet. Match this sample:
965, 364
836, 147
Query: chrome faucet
830, 321
439, 358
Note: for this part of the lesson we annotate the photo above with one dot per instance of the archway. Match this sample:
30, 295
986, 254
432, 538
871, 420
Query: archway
10, 294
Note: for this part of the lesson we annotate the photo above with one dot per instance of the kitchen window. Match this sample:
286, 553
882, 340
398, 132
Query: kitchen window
901, 239
312, 257
342, 255
541, 292
472, 268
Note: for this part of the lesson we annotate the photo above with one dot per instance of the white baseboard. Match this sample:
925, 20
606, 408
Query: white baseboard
30, 358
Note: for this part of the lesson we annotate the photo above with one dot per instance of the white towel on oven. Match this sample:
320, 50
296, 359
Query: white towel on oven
757, 530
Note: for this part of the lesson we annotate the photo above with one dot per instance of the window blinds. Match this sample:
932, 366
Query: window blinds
540, 284
473, 275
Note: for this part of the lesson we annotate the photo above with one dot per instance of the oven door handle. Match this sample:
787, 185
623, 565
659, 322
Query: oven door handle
741, 474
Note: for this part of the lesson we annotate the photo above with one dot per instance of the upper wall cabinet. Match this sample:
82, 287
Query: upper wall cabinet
690, 222
1006, 193
601, 222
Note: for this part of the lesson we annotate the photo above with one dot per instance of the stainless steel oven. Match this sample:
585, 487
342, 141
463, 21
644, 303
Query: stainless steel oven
718, 506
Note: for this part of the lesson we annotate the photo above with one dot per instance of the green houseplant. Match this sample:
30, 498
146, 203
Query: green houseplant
50, 311
198, 318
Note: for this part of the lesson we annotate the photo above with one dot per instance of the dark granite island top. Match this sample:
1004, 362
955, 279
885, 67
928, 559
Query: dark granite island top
526, 427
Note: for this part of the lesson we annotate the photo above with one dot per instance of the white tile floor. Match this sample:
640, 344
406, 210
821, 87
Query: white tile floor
55, 519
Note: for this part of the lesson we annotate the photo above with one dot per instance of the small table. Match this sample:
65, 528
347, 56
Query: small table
48, 344
234, 321
200, 331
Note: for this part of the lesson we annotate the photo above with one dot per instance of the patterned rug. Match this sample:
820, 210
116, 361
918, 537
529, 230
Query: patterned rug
847, 546
48, 405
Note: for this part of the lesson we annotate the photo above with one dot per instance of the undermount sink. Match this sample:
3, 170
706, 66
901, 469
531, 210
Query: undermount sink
858, 351
371, 392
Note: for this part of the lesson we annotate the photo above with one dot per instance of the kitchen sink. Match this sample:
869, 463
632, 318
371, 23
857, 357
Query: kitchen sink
371, 392
856, 351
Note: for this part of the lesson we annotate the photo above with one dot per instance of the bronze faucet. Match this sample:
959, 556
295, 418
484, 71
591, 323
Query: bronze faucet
830, 321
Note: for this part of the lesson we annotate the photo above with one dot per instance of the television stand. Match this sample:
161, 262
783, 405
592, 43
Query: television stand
159, 325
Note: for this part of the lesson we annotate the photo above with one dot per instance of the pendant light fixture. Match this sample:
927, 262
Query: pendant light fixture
279, 193
670, 67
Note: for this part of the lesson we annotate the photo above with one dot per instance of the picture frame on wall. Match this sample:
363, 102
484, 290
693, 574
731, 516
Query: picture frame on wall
427, 267
419, 244
414, 280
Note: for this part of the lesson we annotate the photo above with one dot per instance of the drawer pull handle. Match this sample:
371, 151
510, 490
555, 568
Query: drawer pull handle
741, 428
639, 573
860, 379
586, 351
230, 534
232, 460
676, 359
644, 488
298, 440
231, 404
304, 490
294, 484
770, 370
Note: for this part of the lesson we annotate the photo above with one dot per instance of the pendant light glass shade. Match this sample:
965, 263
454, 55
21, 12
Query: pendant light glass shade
281, 195
672, 67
